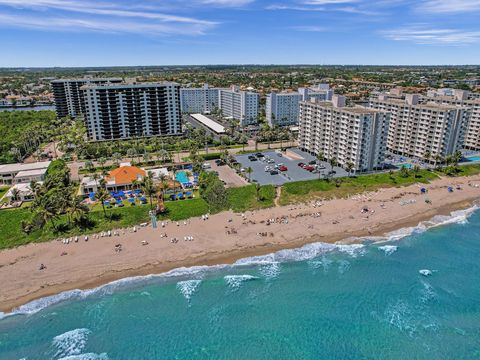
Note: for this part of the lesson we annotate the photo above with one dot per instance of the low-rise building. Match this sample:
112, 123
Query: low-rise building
34, 171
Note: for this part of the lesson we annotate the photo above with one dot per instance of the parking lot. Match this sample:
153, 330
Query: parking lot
291, 159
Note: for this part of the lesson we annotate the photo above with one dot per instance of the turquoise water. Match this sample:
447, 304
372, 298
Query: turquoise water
407, 166
318, 302
181, 177
474, 158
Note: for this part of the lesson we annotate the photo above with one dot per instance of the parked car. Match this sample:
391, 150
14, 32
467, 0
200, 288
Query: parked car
219, 162
309, 168
321, 167
260, 155
279, 155
206, 166
300, 164
253, 159
283, 168
313, 162
274, 172
268, 168
271, 161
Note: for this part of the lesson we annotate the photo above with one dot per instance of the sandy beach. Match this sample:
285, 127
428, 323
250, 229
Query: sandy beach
222, 238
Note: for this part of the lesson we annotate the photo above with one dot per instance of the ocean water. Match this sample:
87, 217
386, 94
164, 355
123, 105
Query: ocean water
367, 301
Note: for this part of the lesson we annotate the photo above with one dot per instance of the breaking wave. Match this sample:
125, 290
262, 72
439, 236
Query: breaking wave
188, 287
269, 265
235, 281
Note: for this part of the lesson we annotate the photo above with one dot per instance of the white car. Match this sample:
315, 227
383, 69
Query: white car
206, 166
268, 168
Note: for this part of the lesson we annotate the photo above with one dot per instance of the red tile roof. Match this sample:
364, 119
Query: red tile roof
126, 175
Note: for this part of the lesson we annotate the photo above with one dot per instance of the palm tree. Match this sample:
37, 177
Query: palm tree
131, 152
457, 157
427, 155
102, 161
117, 157
15, 194
257, 191
149, 187
76, 208
349, 167
89, 166
249, 171
146, 157
416, 170
102, 195
333, 162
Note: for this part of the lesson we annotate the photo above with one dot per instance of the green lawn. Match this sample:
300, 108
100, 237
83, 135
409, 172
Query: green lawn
303, 191
3, 191
11, 221
185, 209
244, 198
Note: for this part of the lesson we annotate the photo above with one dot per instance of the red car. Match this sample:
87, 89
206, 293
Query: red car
309, 168
283, 168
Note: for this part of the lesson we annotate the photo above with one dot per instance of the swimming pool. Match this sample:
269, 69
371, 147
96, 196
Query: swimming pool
181, 177
473, 158
406, 166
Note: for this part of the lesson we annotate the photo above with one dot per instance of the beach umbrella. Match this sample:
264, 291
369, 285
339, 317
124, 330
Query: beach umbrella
121, 194
423, 190
91, 195
137, 192
131, 200
106, 203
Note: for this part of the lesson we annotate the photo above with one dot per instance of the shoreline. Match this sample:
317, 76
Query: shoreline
89, 270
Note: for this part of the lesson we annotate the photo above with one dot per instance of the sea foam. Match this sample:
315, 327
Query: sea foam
306, 252
235, 281
188, 287
70, 343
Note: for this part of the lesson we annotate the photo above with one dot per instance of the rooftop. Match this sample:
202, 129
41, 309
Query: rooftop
348, 109
125, 175
35, 172
138, 85
219, 129
16, 168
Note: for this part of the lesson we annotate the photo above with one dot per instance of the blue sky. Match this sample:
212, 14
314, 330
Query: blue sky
170, 32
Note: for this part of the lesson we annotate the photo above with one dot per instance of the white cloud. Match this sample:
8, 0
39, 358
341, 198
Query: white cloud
433, 36
450, 6
308, 28
227, 3
329, 2
71, 24
66, 15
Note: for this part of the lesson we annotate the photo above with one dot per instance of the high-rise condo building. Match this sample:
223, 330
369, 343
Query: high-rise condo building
121, 111
239, 105
69, 97
199, 100
465, 99
282, 109
426, 130
351, 135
